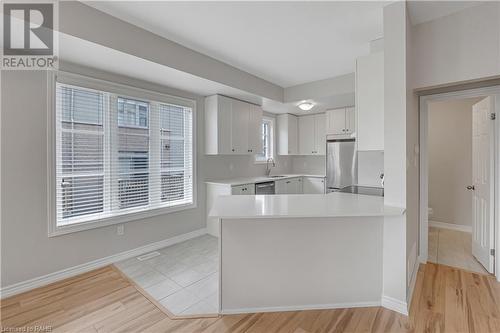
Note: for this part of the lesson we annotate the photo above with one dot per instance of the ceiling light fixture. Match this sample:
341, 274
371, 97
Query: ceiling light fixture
306, 106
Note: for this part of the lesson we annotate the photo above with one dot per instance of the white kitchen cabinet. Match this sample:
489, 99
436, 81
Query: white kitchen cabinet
246, 189
288, 186
340, 121
239, 127
313, 185
320, 134
254, 129
232, 127
288, 143
312, 135
370, 102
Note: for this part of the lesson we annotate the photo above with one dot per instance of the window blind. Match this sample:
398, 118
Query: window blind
117, 155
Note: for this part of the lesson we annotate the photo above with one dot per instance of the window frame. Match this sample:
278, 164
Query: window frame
52, 133
272, 136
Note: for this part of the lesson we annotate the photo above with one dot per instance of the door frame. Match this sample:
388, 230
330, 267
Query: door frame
424, 100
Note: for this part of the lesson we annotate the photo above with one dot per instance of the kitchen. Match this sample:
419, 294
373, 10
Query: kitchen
243, 166
283, 225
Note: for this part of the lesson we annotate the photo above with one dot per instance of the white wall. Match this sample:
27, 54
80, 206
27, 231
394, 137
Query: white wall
450, 160
395, 20
370, 166
459, 47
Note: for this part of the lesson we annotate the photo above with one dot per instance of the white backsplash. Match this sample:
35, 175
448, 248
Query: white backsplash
309, 165
227, 167
370, 166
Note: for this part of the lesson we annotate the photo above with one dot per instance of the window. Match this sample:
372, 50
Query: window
267, 140
117, 156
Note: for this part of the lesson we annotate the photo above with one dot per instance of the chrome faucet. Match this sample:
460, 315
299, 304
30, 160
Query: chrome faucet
268, 169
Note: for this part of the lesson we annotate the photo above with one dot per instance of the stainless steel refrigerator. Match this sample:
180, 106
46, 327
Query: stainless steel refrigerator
341, 164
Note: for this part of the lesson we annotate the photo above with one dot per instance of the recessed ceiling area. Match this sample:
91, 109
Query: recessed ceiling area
424, 11
286, 43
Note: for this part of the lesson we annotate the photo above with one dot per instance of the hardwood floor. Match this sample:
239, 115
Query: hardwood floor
446, 299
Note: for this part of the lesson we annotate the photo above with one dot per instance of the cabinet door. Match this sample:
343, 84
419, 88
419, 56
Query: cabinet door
350, 119
239, 128
306, 135
224, 125
247, 189
254, 129
336, 122
280, 186
293, 135
319, 134
312, 185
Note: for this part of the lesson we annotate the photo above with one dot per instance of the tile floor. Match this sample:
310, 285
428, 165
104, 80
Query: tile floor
184, 278
453, 248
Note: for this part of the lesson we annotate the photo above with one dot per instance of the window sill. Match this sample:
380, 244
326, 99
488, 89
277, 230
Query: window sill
108, 221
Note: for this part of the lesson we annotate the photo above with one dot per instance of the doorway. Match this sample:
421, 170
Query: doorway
459, 184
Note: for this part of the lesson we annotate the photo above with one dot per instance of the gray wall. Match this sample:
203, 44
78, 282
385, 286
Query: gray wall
450, 160
27, 251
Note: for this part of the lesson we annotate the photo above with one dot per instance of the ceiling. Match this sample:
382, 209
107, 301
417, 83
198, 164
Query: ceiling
73, 50
424, 11
286, 43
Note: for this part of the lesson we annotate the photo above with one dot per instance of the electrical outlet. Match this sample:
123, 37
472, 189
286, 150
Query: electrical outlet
120, 230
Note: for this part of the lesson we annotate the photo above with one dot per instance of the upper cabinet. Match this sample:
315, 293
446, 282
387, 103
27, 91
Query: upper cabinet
312, 135
370, 102
287, 134
232, 127
340, 121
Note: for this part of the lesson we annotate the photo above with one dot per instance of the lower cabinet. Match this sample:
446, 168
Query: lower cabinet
289, 186
247, 189
313, 185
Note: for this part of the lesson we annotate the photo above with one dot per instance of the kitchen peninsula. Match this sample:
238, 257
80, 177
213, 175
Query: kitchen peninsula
294, 252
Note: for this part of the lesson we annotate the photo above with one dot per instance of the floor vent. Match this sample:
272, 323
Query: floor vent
148, 256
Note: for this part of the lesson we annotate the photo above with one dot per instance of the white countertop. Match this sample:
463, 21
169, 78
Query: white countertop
301, 205
260, 179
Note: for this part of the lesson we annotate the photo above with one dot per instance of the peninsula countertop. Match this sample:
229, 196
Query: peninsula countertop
302, 205
258, 179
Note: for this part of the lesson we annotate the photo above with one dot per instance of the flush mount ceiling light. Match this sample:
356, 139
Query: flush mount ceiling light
306, 106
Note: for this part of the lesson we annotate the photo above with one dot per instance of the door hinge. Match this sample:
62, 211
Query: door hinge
493, 116
492, 252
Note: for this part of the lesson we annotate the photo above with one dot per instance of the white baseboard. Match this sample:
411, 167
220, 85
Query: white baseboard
451, 226
394, 305
79, 269
302, 307
413, 282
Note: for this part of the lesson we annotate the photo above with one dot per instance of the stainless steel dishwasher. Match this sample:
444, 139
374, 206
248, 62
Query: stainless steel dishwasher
264, 188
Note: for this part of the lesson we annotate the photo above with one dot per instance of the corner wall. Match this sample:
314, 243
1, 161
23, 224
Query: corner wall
395, 252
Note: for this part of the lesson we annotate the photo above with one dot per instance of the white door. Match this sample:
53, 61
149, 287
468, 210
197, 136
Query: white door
306, 135
280, 186
313, 185
239, 126
320, 134
350, 119
225, 125
482, 187
254, 129
293, 135
336, 122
